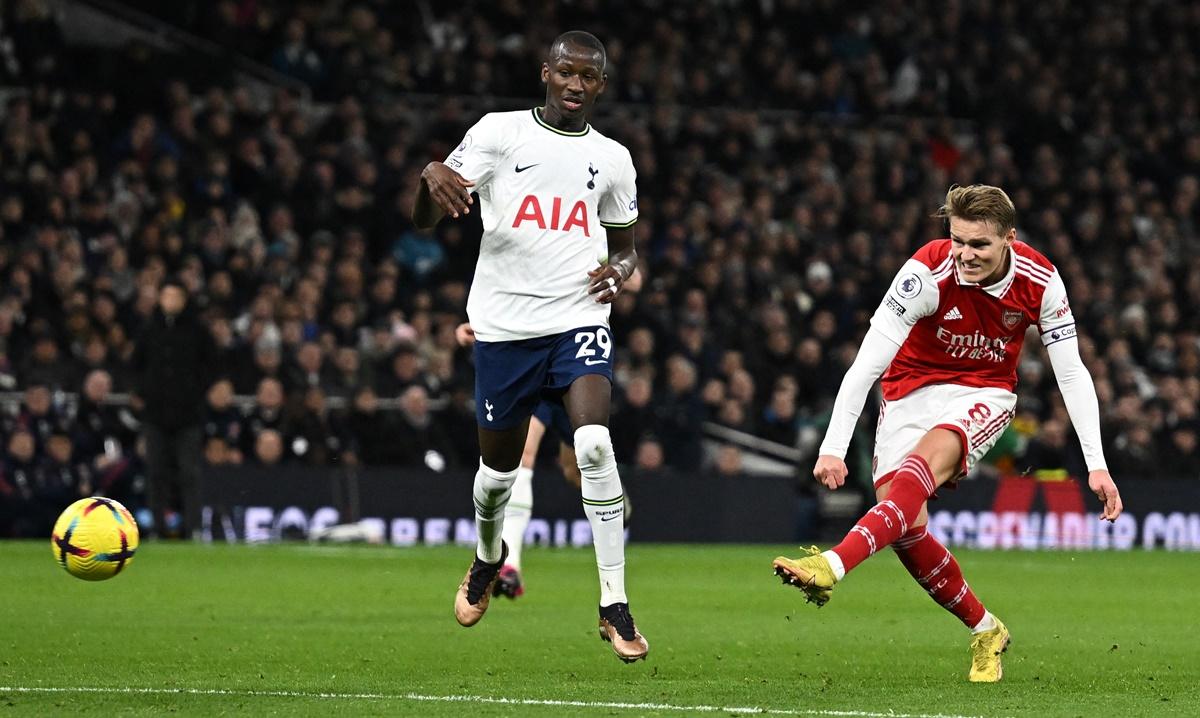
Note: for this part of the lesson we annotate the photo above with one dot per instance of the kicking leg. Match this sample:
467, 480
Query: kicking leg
936, 459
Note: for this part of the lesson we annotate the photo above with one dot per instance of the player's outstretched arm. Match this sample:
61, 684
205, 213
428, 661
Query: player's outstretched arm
874, 356
1079, 394
913, 295
1078, 391
441, 191
606, 280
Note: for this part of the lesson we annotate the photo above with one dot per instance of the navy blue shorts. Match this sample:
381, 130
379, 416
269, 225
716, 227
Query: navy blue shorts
553, 416
512, 377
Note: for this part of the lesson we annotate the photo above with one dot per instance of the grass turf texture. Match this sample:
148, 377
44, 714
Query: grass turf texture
1094, 634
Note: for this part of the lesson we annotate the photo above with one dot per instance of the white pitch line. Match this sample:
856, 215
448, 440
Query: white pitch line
473, 699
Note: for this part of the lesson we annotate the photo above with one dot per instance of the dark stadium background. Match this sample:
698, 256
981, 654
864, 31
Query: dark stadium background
789, 154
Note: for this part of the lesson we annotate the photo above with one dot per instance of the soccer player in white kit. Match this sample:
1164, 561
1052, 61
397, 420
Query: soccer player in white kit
549, 415
558, 203
949, 333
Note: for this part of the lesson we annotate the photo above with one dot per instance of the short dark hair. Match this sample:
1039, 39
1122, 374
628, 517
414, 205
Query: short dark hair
583, 39
175, 281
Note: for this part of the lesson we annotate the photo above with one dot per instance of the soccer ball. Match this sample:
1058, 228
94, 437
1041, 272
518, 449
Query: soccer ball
94, 538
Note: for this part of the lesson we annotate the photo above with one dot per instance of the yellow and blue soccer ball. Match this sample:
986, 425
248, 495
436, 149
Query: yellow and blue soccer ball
95, 539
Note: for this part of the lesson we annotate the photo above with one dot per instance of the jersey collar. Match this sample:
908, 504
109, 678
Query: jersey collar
1000, 288
537, 117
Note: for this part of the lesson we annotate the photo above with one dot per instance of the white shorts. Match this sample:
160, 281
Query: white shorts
978, 415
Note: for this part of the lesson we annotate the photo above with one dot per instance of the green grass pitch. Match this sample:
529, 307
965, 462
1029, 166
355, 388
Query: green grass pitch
311, 630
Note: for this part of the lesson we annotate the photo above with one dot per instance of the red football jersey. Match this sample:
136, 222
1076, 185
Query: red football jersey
955, 332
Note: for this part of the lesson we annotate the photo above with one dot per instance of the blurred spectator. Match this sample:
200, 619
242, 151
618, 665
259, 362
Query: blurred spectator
316, 439
678, 415
347, 373
295, 57
1182, 457
34, 490
268, 448
267, 363
728, 461
780, 421
222, 425
422, 441
46, 366
649, 456
374, 432
404, 370
1133, 453
267, 415
103, 435
218, 453
174, 361
23, 513
37, 415
637, 417
309, 369
62, 472
1049, 453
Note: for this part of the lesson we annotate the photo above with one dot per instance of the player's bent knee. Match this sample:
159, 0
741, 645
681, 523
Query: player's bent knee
594, 451
494, 485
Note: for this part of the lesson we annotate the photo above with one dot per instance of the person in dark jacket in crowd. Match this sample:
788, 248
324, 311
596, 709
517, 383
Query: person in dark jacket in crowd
374, 431
173, 363
23, 514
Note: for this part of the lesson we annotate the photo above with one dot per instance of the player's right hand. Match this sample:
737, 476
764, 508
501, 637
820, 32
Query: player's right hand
464, 334
830, 471
450, 190
1101, 483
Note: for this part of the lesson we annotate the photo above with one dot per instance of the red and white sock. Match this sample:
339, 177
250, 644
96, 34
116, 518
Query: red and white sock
889, 519
934, 567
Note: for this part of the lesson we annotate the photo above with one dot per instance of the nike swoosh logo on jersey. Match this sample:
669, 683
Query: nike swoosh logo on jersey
608, 518
522, 169
594, 362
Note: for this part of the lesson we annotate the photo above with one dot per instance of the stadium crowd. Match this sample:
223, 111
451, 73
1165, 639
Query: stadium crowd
790, 155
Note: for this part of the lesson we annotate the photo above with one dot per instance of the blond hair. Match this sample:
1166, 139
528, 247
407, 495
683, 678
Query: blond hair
980, 202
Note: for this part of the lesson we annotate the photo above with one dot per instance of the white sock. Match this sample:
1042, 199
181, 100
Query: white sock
517, 513
835, 562
987, 623
491, 492
604, 505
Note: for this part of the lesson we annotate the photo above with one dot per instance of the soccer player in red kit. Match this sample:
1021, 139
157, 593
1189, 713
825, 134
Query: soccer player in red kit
949, 333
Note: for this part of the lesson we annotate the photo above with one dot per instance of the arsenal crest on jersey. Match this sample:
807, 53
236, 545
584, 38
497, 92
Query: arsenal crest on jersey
1011, 318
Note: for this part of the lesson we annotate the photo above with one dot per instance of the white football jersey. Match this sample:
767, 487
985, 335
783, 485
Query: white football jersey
546, 198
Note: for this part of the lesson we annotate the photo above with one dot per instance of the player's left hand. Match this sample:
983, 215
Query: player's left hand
464, 334
1101, 483
606, 281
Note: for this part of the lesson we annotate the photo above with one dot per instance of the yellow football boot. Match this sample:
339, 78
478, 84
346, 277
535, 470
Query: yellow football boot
811, 574
986, 649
